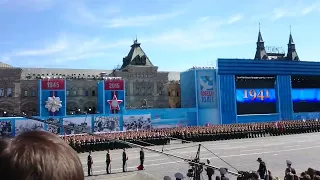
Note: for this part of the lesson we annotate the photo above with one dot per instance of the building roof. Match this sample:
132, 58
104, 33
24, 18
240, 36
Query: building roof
136, 56
31, 73
4, 65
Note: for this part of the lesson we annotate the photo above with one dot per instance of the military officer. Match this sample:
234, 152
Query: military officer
141, 158
89, 164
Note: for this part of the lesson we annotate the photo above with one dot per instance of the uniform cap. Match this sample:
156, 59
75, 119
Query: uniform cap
178, 176
167, 178
288, 162
223, 171
259, 159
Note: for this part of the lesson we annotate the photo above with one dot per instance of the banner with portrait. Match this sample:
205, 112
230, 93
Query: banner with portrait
106, 123
137, 122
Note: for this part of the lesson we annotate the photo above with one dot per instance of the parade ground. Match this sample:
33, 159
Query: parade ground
302, 149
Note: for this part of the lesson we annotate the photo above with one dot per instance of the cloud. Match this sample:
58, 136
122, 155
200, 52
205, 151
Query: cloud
80, 14
206, 32
70, 47
25, 5
60, 45
296, 10
4, 59
235, 18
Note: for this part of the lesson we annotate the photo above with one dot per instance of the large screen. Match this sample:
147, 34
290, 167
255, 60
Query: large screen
255, 95
308, 99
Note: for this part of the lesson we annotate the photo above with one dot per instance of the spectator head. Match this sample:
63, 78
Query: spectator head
38, 155
166, 178
316, 177
306, 177
178, 176
218, 178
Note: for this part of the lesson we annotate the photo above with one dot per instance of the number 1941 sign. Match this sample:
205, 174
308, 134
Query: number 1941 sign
52, 84
114, 85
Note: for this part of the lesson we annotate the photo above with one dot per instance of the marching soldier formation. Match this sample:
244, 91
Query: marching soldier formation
109, 141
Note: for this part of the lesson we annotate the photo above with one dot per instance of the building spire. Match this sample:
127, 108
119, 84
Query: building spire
260, 52
292, 54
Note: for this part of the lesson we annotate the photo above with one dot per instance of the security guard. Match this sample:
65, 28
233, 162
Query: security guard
262, 168
108, 161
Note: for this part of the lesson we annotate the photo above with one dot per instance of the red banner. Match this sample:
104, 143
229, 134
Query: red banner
114, 85
52, 84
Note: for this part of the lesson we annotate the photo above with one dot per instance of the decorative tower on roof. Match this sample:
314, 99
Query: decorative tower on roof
260, 52
136, 56
292, 54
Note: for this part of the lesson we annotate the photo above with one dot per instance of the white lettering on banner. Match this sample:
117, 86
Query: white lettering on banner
114, 85
53, 84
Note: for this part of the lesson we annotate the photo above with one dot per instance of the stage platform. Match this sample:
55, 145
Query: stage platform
302, 150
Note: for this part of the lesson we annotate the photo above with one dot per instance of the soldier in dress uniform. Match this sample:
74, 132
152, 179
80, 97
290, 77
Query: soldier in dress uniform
141, 158
108, 161
124, 160
89, 164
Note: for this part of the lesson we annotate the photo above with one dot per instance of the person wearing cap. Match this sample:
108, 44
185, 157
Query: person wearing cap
210, 171
262, 168
289, 170
141, 158
124, 160
108, 161
178, 176
223, 172
89, 164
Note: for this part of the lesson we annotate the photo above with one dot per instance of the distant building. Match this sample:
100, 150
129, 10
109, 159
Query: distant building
276, 54
146, 87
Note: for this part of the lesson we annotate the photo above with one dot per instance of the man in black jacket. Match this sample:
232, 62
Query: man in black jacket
124, 160
210, 171
289, 169
89, 164
141, 158
108, 161
262, 168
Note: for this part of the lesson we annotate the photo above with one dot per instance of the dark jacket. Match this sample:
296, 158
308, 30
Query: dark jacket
210, 171
108, 159
141, 155
124, 156
262, 168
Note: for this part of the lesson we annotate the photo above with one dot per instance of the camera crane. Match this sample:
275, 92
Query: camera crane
196, 165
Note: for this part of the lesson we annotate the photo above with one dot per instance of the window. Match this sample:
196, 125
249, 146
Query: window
178, 94
74, 93
86, 93
9, 92
1, 92
169, 93
68, 93
25, 93
93, 93
33, 93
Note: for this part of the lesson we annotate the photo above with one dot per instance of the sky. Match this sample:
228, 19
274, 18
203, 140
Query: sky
175, 34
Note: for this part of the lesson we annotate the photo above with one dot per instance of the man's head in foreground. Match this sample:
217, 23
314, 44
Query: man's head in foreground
38, 155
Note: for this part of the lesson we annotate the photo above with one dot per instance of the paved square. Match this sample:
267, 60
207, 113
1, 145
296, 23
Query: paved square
302, 149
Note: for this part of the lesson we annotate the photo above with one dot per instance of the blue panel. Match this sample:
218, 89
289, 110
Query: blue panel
256, 95
270, 67
188, 91
283, 87
208, 116
206, 89
258, 118
101, 98
306, 116
308, 95
228, 110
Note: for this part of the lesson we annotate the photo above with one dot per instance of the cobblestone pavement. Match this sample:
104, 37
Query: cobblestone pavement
301, 149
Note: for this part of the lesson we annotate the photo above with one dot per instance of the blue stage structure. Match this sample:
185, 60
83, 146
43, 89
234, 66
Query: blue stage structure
208, 96
282, 94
